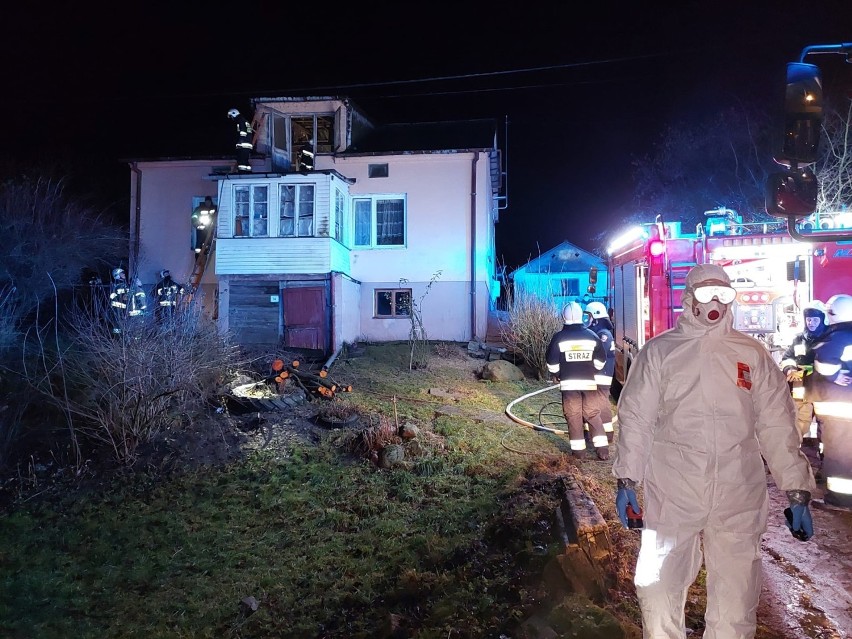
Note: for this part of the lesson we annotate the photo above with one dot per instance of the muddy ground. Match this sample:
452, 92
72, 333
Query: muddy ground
807, 585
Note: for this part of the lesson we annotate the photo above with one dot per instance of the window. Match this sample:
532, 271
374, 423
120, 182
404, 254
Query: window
339, 214
297, 210
393, 302
569, 286
292, 133
377, 170
251, 211
379, 221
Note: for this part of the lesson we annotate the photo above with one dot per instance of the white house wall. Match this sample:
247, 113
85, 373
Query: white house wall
164, 221
438, 231
445, 311
346, 309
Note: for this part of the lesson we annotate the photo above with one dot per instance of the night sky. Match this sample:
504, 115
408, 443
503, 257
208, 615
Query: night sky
584, 90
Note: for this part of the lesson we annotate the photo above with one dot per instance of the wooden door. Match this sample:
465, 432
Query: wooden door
305, 323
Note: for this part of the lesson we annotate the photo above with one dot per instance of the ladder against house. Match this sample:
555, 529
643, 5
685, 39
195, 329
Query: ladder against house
202, 258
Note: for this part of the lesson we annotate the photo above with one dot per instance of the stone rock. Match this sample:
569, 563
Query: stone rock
249, 605
408, 431
501, 371
391, 456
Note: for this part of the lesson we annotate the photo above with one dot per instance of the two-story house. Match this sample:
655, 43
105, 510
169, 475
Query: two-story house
315, 256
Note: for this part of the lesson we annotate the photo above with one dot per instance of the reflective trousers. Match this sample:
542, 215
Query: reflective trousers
837, 450
579, 406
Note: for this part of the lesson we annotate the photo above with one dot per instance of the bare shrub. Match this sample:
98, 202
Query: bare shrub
376, 436
123, 382
418, 345
531, 323
40, 222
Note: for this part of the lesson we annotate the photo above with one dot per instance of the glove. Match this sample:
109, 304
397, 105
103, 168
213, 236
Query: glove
626, 496
798, 515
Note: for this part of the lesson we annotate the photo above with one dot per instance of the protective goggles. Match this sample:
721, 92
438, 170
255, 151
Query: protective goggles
725, 294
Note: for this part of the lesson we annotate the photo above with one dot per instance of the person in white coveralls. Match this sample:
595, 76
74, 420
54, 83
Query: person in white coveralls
702, 407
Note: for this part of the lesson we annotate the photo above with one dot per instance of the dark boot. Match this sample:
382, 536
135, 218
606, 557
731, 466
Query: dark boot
602, 452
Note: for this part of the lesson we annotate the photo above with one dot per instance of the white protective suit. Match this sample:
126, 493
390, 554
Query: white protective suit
701, 404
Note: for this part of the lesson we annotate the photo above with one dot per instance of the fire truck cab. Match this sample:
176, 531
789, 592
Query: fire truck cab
774, 274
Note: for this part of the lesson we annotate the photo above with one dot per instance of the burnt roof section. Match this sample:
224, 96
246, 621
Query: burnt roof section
427, 136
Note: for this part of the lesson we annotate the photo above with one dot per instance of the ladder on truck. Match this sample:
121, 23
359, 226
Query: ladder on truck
677, 282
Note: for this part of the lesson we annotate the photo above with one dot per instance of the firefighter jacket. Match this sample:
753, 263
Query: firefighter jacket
244, 134
118, 295
575, 354
167, 292
603, 329
800, 352
832, 354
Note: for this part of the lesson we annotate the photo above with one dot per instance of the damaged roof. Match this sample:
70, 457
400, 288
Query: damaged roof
455, 135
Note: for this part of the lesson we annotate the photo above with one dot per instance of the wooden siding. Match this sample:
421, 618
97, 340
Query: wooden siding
339, 258
260, 255
252, 316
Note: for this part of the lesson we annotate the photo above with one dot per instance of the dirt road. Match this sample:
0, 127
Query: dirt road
807, 585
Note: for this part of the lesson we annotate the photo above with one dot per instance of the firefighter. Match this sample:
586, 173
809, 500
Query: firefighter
118, 297
167, 292
602, 326
798, 360
244, 140
574, 356
137, 299
831, 390
702, 407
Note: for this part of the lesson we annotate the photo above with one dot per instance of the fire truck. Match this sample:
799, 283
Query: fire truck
775, 276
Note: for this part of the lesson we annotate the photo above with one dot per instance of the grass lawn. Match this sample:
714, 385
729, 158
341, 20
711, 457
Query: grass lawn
454, 543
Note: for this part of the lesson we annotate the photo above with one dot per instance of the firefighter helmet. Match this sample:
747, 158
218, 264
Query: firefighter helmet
815, 309
118, 273
596, 310
163, 274
572, 313
233, 113
839, 309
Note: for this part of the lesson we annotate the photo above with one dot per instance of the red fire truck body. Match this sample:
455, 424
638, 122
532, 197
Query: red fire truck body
775, 276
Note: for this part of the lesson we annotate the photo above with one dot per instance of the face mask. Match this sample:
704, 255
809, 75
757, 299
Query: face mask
710, 313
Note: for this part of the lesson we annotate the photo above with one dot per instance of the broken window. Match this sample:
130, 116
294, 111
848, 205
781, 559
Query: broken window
291, 133
297, 210
339, 214
251, 211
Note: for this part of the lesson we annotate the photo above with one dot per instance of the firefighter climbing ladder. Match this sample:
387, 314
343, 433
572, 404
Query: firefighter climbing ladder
205, 251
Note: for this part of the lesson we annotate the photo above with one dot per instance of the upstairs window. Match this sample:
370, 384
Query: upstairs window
379, 221
339, 214
251, 211
297, 210
290, 134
